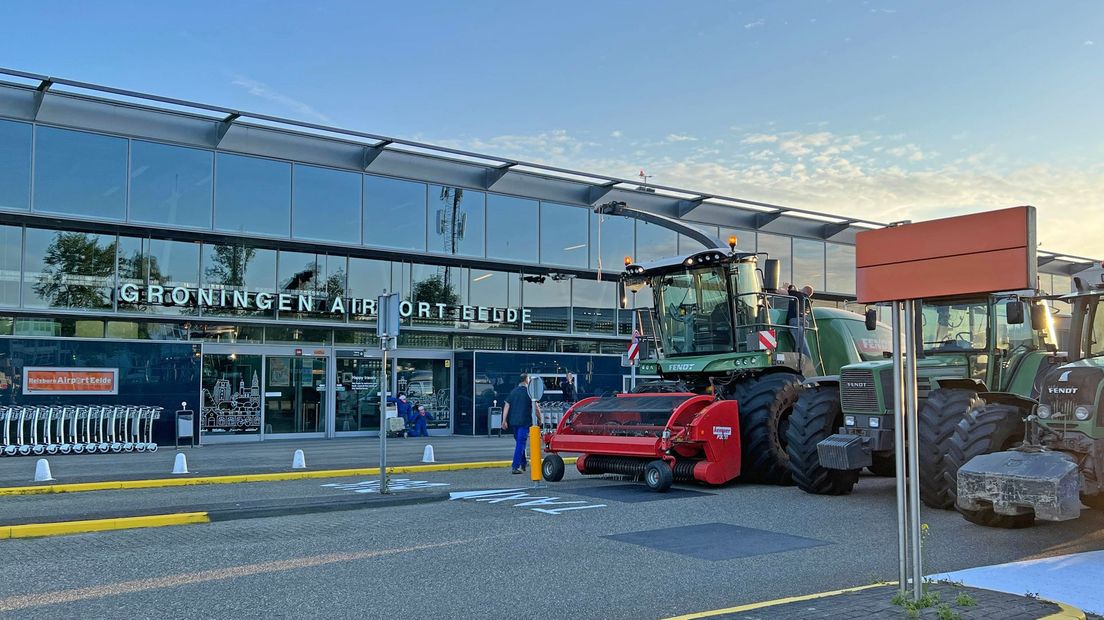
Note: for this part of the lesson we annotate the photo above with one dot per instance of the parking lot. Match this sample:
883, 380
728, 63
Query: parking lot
490, 546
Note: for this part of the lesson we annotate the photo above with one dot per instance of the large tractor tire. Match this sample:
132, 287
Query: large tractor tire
766, 403
986, 429
884, 465
939, 417
816, 415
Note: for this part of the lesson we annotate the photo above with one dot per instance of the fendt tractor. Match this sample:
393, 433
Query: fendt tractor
975, 351
721, 332
1016, 463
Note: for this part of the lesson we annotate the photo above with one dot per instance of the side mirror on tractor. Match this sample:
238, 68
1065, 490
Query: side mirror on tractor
1038, 317
1015, 312
622, 295
871, 319
772, 274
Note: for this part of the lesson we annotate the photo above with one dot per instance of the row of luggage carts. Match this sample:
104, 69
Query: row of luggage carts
77, 429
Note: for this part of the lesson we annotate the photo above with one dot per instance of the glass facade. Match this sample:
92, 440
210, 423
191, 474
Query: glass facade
612, 238
563, 235
171, 185
79, 173
11, 244
808, 263
512, 229
15, 165
326, 205
394, 213
778, 247
253, 195
457, 221
840, 268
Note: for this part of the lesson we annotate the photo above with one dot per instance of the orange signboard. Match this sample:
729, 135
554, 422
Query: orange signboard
977, 253
52, 381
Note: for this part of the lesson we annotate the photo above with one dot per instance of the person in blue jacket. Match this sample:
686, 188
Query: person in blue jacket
420, 422
403, 408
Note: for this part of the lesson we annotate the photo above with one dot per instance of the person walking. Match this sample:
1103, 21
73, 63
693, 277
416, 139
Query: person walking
517, 416
797, 316
570, 395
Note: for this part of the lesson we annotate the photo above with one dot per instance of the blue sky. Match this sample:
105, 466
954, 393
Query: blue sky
874, 109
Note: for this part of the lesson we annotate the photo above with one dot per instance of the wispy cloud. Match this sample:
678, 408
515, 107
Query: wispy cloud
677, 137
1090, 42
616, 133
759, 138
263, 91
759, 23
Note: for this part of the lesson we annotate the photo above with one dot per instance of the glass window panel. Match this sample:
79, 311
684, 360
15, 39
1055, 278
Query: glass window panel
808, 263
239, 268
840, 268
549, 302
778, 247
11, 250
394, 213
686, 245
15, 165
133, 267
253, 195
611, 240
745, 239
326, 205
512, 228
495, 289
456, 220
80, 173
68, 269
367, 280
563, 235
317, 276
594, 306
432, 285
654, 242
171, 184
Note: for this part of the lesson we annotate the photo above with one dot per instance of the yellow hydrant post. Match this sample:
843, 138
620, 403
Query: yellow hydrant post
534, 455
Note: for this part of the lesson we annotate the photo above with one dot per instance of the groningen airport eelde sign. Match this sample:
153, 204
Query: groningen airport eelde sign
299, 302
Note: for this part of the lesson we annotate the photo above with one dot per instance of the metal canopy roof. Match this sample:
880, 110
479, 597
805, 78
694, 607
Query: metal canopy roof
35, 97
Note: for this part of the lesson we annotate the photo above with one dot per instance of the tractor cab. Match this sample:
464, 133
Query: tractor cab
713, 302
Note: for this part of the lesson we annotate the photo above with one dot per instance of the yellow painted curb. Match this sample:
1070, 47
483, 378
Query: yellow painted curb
235, 479
1068, 612
33, 530
778, 601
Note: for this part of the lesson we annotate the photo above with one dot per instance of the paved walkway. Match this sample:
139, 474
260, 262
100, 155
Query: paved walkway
876, 603
257, 457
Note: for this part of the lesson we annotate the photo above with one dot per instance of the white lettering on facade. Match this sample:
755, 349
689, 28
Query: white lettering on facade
511, 315
156, 294
285, 302
264, 301
128, 293
206, 297
306, 303
441, 311
526, 316
241, 299
499, 315
180, 295
423, 310
484, 314
338, 306
468, 313
406, 309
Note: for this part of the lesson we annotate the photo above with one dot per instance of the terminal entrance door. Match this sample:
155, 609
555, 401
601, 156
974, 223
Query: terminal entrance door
295, 394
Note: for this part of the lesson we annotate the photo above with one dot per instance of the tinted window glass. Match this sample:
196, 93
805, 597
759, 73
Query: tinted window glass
326, 205
512, 228
432, 285
11, 247
68, 269
840, 268
15, 165
654, 242
318, 276
686, 245
170, 184
80, 173
253, 195
171, 264
611, 240
394, 213
745, 239
456, 220
367, 280
239, 268
778, 247
563, 235
495, 289
550, 302
594, 306
808, 263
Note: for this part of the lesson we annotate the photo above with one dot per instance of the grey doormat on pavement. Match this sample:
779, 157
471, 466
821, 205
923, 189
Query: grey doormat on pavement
633, 493
717, 541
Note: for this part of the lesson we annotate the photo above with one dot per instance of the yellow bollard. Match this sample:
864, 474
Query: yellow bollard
534, 454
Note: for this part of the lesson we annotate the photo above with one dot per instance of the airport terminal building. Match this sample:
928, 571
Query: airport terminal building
232, 261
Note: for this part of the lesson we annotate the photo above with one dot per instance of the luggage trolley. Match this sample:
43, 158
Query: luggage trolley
9, 448
81, 441
113, 415
24, 414
130, 428
148, 414
49, 425
102, 439
66, 429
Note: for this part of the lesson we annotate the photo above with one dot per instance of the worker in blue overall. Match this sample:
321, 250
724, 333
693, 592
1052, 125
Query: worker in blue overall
420, 422
517, 416
403, 408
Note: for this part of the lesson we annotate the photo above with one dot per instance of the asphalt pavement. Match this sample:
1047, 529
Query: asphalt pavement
582, 548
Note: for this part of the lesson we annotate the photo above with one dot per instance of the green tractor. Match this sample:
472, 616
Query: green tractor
715, 326
976, 351
1010, 473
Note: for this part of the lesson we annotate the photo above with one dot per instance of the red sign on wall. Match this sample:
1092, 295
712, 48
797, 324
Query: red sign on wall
55, 381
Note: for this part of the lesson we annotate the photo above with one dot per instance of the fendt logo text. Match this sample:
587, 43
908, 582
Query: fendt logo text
857, 386
1062, 390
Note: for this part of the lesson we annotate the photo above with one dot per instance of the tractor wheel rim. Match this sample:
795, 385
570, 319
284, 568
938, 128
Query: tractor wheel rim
653, 477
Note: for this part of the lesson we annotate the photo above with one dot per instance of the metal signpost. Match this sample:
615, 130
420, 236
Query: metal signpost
536, 392
387, 328
906, 263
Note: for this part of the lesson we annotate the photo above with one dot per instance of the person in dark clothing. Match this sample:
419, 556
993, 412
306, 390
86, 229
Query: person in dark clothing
517, 416
403, 408
420, 422
568, 389
797, 316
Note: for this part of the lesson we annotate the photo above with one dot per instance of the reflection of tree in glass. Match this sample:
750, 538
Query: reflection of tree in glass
77, 270
435, 290
303, 280
137, 270
335, 284
230, 264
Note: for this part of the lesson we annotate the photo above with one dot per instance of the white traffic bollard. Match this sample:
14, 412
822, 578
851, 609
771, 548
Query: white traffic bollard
298, 461
180, 465
42, 471
427, 454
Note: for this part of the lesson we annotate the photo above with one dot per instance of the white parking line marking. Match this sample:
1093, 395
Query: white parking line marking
524, 500
396, 484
